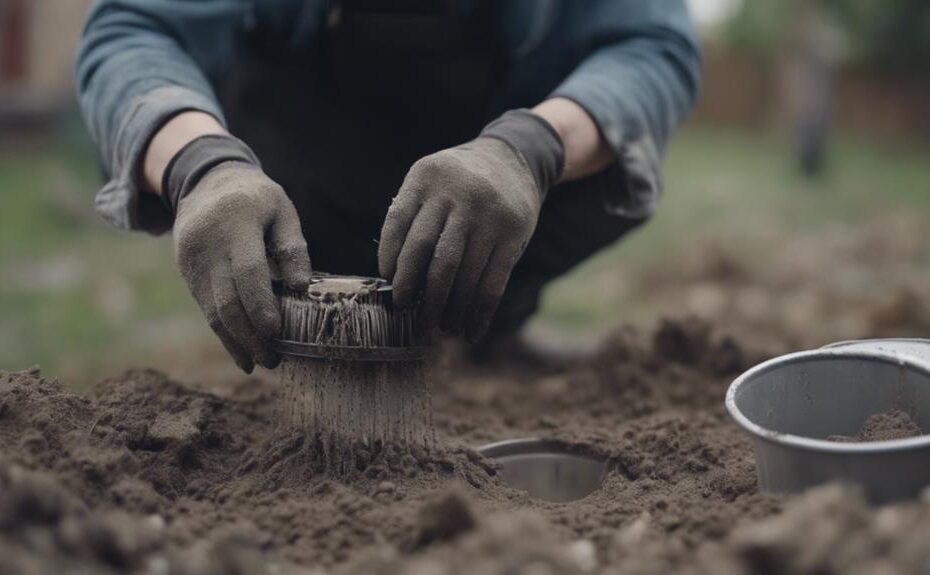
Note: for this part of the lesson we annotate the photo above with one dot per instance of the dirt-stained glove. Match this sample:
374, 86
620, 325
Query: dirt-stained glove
463, 217
231, 219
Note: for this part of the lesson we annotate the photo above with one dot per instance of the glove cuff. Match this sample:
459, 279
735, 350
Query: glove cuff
535, 140
195, 159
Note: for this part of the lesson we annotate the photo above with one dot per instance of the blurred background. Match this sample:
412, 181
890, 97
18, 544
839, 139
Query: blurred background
796, 208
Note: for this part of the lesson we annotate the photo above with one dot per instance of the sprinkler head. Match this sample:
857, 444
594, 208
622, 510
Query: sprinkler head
546, 469
793, 404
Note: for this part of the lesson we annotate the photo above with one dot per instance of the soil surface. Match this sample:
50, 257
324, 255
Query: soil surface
885, 426
149, 475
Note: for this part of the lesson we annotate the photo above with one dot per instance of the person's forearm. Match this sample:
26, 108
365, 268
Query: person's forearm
586, 151
174, 135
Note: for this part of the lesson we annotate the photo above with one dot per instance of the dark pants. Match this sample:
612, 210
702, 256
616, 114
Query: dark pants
572, 227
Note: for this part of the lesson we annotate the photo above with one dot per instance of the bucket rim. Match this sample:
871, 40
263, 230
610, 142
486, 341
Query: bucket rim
823, 445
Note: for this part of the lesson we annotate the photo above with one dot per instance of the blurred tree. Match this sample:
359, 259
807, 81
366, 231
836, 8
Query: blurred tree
893, 34
885, 34
759, 27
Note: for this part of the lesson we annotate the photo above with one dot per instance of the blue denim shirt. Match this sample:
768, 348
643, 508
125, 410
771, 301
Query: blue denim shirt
633, 65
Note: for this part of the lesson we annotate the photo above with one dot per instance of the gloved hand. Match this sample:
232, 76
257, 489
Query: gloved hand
463, 217
230, 219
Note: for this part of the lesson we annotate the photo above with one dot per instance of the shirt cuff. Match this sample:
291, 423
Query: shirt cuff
630, 186
121, 201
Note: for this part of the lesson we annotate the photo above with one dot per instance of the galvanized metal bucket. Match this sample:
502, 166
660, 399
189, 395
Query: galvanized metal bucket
791, 404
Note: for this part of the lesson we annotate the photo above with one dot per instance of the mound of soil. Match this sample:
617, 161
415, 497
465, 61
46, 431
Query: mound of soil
885, 426
149, 475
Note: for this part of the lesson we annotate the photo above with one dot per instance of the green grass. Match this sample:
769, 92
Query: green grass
76, 296
81, 299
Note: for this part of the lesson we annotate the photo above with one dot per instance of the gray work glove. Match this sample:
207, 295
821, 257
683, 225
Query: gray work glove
463, 217
231, 219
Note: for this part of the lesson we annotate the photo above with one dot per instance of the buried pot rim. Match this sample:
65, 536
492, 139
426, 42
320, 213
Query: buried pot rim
824, 445
535, 445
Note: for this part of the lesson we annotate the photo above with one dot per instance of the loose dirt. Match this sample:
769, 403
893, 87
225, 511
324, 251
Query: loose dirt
149, 475
885, 426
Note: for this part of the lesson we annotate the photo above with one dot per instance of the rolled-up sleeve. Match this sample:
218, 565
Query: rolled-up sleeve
638, 79
141, 62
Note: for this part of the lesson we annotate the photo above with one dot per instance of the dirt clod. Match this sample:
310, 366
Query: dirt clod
445, 519
885, 426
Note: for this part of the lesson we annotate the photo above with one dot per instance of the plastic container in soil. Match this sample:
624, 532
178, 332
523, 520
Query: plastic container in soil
547, 469
792, 404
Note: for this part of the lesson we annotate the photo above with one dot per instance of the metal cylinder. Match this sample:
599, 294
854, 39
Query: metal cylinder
790, 405
547, 469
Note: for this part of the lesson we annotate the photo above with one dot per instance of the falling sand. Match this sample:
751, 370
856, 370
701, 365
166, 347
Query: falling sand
343, 405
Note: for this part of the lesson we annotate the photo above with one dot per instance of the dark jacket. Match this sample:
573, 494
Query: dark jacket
632, 64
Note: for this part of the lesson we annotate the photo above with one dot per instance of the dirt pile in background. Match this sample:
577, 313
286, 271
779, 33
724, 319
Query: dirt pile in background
784, 292
149, 475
